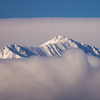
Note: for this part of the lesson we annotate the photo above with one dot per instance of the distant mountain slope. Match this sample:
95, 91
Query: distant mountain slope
53, 47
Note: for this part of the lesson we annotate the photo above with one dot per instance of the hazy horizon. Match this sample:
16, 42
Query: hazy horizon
36, 31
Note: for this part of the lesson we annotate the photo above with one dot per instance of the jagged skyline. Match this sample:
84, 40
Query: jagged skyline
52, 48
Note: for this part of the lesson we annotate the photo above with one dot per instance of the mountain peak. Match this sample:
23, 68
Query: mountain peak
53, 47
55, 40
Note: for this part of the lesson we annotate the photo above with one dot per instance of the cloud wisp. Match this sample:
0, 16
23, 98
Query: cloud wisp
72, 77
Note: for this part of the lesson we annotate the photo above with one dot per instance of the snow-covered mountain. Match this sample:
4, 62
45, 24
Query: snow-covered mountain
53, 47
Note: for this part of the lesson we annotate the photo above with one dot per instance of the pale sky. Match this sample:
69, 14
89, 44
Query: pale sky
36, 31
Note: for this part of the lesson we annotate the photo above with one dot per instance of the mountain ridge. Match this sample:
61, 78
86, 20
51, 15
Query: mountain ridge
53, 47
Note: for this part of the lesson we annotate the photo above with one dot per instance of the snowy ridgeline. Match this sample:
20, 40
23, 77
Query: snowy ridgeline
53, 47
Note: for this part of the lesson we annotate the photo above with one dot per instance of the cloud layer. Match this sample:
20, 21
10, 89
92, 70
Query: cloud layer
72, 77
35, 31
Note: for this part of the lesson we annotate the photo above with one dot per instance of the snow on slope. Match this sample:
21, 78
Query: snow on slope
53, 47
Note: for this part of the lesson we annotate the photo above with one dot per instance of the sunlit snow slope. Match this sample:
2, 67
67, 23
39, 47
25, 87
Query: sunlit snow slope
53, 47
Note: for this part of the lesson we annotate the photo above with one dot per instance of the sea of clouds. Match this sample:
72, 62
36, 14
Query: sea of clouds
74, 76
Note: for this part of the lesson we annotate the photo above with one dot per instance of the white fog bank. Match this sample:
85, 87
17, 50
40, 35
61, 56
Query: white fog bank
72, 77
